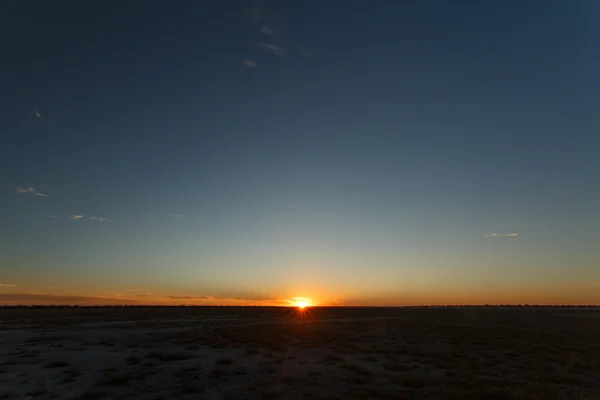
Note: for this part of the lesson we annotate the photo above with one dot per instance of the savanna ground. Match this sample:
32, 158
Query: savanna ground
278, 353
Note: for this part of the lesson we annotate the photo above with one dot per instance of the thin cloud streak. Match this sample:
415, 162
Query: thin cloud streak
34, 298
30, 190
273, 48
248, 63
100, 219
266, 30
7, 285
502, 235
220, 298
74, 217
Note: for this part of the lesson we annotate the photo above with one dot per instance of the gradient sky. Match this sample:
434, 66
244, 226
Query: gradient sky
351, 152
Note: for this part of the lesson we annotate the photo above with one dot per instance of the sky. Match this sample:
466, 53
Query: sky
254, 152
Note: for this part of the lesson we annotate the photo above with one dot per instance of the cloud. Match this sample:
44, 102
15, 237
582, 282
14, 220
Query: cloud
74, 217
34, 298
30, 190
266, 30
38, 114
26, 190
52, 215
273, 48
249, 63
100, 219
7, 285
190, 297
143, 294
502, 234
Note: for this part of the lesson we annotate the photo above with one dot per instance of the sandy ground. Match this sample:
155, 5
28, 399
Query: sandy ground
255, 353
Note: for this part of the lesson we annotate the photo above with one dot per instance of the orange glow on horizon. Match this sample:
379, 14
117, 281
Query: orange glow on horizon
301, 302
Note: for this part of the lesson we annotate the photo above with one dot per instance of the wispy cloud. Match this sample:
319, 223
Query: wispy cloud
30, 190
25, 190
181, 215
143, 294
74, 217
100, 219
38, 114
273, 48
36, 298
266, 30
249, 63
7, 285
502, 235
191, 297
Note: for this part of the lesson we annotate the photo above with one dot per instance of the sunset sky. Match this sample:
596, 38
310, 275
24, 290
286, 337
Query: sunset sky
250, 152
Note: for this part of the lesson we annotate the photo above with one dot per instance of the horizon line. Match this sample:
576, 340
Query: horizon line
291, 306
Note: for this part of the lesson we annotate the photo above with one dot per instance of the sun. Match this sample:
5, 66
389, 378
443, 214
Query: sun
301, 302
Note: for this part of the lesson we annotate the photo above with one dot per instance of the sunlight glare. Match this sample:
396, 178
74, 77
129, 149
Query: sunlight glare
301, 302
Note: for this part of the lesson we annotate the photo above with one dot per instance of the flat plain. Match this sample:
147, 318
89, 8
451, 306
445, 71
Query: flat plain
471, 353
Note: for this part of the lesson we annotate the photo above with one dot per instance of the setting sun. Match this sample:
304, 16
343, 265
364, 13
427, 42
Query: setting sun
301, 302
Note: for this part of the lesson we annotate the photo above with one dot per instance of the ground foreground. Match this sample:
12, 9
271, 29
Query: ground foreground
279, 353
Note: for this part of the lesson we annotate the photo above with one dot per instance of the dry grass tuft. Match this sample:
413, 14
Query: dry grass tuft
168, 356
8, 394
132, 360
56, 364
93, 394
115, 379
224, 361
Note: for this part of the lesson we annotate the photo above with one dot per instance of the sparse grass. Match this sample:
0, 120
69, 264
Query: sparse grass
430, 354
8, 394
93, 394
358, 368
115, 379
38, 391
224, 361
395, 366
132, 360
56, 364
332, 358
168, 356
412, 379
218, 372
240, 370
72, 372
186, 372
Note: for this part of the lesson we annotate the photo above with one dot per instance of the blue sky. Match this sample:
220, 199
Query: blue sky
335, 150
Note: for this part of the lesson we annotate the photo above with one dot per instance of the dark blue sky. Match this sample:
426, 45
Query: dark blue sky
332, 149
